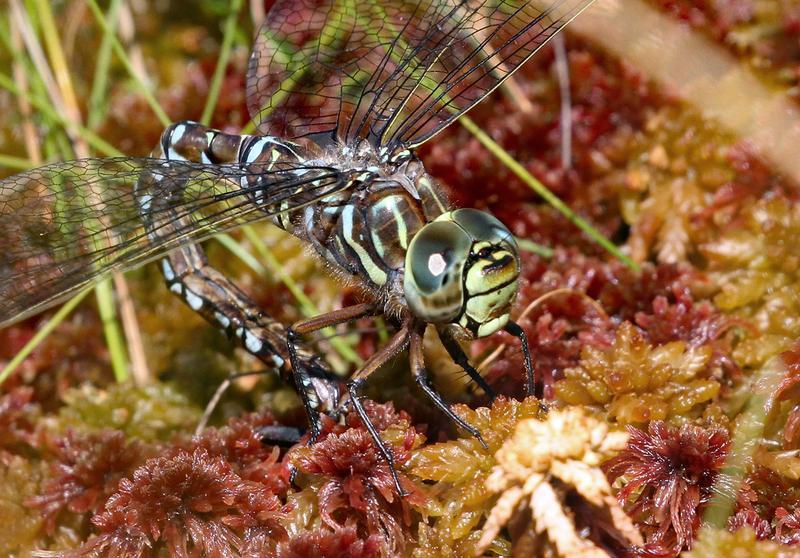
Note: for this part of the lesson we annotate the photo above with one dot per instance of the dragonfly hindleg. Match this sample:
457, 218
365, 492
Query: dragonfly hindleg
396, 344
300, 370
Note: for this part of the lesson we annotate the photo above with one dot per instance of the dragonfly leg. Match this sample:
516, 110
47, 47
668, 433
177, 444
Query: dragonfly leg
459, 357
417, 360
300, 371
530, 375
396, 344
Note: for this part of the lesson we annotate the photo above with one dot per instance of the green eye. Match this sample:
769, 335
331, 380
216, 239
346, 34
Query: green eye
434, 266
482, 226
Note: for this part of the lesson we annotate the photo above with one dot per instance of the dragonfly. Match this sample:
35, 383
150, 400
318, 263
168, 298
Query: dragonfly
341, 93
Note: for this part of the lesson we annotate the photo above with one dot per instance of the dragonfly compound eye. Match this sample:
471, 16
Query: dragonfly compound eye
435, 261
462, 269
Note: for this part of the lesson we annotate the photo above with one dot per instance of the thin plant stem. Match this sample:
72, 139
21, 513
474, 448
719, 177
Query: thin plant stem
32, 147
127, 314
41, 335
562, 71
108, 317
534, 247
750, 425
17, 163
125, 61
99, 91
63, 96
529, 180
222, 62
95, 142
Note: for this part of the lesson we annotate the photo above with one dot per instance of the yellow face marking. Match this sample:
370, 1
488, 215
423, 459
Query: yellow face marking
483, 308
484, 274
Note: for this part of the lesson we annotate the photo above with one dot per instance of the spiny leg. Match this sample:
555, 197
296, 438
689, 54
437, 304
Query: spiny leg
302, 379
396, 344
205, 289
514, 329
417, 359
459, 357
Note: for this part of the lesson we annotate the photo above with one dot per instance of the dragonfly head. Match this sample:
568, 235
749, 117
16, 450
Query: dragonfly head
461, 269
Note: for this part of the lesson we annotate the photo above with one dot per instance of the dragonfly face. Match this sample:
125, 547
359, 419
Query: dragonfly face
461, 270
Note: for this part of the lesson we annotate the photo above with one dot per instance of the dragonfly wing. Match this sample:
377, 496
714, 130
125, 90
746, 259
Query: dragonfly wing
393, 73
67, 224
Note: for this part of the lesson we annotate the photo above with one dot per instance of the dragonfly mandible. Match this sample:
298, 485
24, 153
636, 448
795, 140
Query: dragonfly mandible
341, 93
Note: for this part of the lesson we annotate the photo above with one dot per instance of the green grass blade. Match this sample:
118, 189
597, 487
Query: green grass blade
273, 267
113, 333
12, 162
534, 247
239, 251
125, 61
40, 335
542, 190
97, 97
95, 142
750, 425
222, 62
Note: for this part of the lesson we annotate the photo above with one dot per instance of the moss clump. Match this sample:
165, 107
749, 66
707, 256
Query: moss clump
742, 543
635, 382
149, 413
458, 501
20, 526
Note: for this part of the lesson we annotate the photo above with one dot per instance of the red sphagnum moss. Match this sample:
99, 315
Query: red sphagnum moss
85, 472
88, 466
667, 477
184, 503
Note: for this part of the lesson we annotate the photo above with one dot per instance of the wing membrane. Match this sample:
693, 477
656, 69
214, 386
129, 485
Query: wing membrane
66, 224
393, 73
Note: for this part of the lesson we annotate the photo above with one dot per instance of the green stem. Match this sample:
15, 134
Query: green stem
40, 335
534, 247
542, 190
97, 98
222, 62
94, 141
114, 337
123, 58
273, 267
17, 163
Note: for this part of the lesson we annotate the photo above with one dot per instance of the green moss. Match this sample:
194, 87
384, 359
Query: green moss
150, 413
713, 543
19, 526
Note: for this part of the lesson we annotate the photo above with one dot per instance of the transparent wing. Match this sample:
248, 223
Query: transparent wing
393, 73
65, 225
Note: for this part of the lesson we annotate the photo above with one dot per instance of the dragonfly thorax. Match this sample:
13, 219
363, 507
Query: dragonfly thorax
461, 269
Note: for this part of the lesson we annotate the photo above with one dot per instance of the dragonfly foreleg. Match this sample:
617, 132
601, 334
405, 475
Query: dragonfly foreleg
417, 361
459, 357
530, 374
